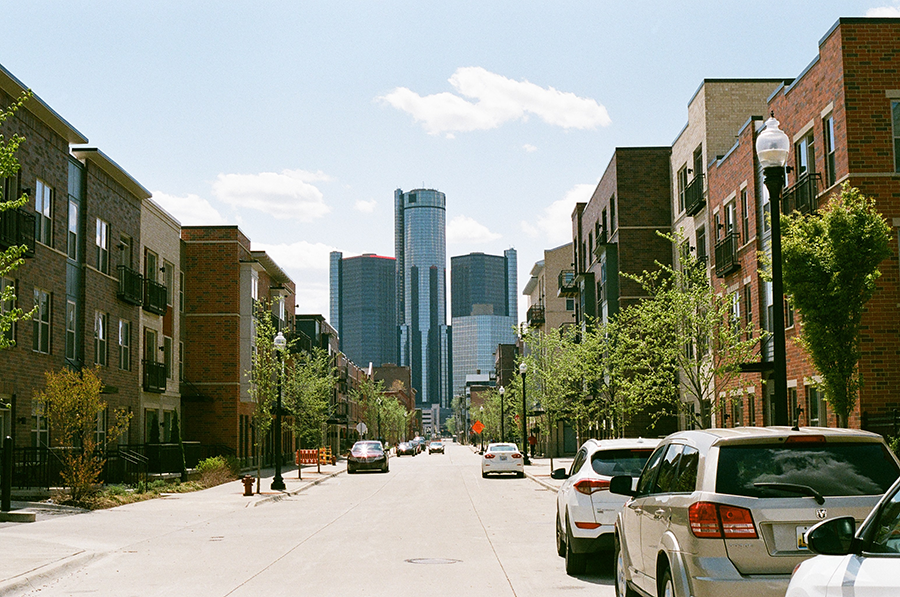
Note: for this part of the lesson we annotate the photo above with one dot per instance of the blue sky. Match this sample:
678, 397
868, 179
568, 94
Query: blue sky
297, 120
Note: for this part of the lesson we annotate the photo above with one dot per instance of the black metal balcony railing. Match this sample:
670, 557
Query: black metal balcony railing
154, 297
803, 195
727, 254
17, 228
535, 314
567, 285
154, 376
131, 285
693, 196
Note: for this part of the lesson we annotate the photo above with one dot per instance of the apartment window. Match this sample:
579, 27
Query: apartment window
180, 361
830, 172
40, 341
612, 214
570, 304
72, 237
788, 314
40, 430
167, 356
748, 311
151, 266
737, 411
591, 246
151, 346
717, 220
805, 155
698, 161
815, 408
102, 246
43, 205
8, 288
792, 405
124, 345
701, 244
682, 185
168, 426
745, 217
169, 281
71, 339
181, 291
730, 217
895, 117
101, 337
254, 286
151, 422
751, 409
126, 251
100, 432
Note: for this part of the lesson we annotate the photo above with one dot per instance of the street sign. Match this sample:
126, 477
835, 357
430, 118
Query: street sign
478, 427
361, 428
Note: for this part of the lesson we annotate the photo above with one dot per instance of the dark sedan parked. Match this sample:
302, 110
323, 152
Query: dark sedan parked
367, 455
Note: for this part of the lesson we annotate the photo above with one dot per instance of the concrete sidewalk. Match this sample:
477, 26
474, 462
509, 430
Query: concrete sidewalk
64, 538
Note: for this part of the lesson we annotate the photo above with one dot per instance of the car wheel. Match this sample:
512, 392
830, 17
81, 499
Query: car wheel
350, 471
483, 475
623, 589
560, 542
520, 475
575, 562
667, 587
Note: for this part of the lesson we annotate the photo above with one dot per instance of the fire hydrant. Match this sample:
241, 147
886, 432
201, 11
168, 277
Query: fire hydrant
248, 485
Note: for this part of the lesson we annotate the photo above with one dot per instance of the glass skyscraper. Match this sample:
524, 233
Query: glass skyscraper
421, 250
484, 309
363, 307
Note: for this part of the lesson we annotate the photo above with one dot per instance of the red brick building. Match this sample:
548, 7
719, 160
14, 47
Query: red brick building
842, 114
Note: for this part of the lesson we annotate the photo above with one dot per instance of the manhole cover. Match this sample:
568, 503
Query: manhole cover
432, 561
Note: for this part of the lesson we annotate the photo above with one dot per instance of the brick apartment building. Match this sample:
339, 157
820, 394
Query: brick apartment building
547, 309
224, 282
843, 116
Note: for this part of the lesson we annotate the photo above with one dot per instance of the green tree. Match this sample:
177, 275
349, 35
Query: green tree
830, 271
309, 387
11, 258
266, 372
74, 407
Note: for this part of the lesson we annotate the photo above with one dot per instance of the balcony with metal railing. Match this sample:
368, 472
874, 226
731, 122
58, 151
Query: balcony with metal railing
535, 315
727, 254
693, 196
567, 286
17, 228
154, 297
154, 376
803, 195
131, 285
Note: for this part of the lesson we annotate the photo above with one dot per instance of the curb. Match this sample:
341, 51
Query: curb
542, 482
285, 494
45, 573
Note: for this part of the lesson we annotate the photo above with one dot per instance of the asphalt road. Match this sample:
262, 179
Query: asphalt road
430, 527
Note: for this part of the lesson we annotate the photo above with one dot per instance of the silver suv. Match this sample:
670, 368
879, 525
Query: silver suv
723, 511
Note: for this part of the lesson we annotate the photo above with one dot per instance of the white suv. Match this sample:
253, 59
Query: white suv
585, 509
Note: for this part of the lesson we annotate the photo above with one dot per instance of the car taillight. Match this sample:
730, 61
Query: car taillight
717, 521
516, 455
488, 455
589, 486
587, 525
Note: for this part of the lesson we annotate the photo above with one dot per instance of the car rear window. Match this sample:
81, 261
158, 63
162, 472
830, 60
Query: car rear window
620, 462
503, 448
832, 469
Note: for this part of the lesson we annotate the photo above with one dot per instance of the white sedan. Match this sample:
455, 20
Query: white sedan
861, 563
502, 458
585, 509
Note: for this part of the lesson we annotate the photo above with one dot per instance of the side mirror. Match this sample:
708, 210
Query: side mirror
559, 473
832, 537
622, 485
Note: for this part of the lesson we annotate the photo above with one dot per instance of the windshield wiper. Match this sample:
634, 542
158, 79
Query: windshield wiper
793, 488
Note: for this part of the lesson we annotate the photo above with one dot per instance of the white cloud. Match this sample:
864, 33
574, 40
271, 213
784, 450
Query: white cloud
365, 207
288, 194
300, 255
190, 210
885, 11
529, 148
464, 229
497, 100
555, 223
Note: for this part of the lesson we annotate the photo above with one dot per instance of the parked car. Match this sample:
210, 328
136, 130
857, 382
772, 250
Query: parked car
406, 448
367, 455
869, 558
436, 447
724, 511
502, 458
585, 509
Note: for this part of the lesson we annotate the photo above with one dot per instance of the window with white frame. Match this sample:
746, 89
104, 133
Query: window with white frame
124, 345
72, 237
169, 281
43, 206
71, 339
101, 246
40, 430
805, 155
101, 338
830, 170
40, 339
151, 266
745, 217
682, 185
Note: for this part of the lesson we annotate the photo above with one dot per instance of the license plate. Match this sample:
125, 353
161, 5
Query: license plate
801, 543
503, 458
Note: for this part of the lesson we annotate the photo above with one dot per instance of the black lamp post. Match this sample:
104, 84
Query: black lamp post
481, 409
502, 391
523, 368
772, 147
277, 481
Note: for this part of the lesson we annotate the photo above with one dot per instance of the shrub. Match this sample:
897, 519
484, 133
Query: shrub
217, 470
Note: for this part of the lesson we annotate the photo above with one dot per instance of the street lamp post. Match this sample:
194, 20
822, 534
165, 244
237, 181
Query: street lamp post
481, 410
772, 146
523, 368
502, 391
277, 481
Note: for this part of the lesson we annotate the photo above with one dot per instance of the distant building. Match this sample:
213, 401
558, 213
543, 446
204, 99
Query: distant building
364, 307
484, 307
425, 342
549, 309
